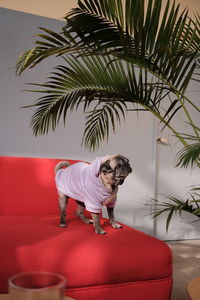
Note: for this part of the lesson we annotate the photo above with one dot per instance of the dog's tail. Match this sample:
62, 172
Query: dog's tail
61, 164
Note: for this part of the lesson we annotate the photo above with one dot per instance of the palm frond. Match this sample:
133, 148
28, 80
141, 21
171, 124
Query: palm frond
50, 44
90, 81
49, 110
190, 155
164, 48
102, 27
100, 120
174, 205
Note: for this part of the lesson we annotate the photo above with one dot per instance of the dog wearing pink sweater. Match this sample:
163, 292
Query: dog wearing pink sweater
92, 186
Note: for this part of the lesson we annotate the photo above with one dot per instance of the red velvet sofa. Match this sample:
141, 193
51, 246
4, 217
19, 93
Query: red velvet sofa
123, 264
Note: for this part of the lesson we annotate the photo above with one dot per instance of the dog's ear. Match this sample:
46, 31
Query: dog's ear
105, 167
125, 158
126, 161
129, 168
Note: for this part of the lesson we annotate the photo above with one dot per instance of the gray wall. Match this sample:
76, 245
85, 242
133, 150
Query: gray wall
134, 139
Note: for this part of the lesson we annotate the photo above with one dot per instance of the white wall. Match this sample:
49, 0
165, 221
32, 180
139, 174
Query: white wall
135, 139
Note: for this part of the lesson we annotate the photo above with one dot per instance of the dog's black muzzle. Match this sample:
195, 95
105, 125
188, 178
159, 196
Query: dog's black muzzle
119, 181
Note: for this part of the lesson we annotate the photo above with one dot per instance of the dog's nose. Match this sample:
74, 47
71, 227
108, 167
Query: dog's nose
121, 181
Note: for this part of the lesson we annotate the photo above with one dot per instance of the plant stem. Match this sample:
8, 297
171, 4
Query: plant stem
181, 139
187, 113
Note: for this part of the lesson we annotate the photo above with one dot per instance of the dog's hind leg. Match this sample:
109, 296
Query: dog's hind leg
80, 212
63, 200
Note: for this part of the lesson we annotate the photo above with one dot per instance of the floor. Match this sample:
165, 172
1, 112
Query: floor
186, 256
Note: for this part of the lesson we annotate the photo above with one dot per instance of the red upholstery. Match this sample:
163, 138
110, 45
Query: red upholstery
28, 186
124, 263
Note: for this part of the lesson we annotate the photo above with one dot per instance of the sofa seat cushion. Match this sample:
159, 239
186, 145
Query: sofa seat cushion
30, 243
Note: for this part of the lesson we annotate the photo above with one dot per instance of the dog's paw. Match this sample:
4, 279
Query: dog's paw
63, 225
87, 221
90, 221
116, 225
100, 231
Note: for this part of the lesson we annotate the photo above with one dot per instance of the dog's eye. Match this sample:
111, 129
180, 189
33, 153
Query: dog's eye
118, 167
120, 177
109, 171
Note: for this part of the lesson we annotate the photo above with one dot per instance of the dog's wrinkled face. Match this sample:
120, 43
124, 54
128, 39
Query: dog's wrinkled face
114, 170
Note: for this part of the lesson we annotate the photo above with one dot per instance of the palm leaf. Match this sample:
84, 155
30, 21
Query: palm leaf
190, 155
158, 38
89, 82
99, 121
176, 205
90, 29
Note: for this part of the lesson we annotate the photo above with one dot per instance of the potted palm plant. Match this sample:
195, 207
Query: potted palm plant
118, 56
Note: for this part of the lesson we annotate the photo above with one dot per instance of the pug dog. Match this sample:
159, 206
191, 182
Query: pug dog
92, 186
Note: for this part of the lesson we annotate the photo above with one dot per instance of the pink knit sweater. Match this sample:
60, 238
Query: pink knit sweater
82, 182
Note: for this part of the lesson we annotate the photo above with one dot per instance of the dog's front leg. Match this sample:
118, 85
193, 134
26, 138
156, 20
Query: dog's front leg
63, 200
113, 223
96, 223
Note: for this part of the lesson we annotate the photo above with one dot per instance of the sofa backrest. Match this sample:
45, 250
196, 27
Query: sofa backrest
28, 186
